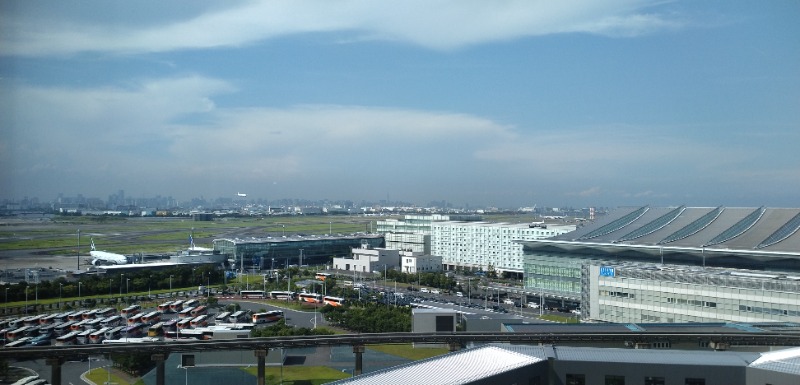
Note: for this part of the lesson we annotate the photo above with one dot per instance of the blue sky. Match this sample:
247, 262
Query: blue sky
505, 103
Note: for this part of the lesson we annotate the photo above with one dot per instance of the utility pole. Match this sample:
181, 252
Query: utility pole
79, 250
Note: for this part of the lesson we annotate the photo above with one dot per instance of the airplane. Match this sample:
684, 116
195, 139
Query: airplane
106, 258
241, 194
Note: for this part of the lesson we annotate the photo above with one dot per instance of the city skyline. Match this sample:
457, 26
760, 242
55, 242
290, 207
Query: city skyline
507, 105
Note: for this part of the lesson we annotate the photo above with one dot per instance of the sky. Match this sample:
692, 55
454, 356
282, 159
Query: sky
481, 103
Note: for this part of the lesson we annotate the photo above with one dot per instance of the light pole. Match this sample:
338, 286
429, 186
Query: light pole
79, 250
208, 286
330, 228
120, 283
469, 292
127, 286
7, 298
60, 286
170, 285
149, 278
26, 300
80, 299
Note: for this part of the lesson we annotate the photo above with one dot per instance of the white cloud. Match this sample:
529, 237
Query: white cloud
440, 25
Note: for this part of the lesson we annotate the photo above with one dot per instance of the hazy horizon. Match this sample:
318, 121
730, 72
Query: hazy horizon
561, 103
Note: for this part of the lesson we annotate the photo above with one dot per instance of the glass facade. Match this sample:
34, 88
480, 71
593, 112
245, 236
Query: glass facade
555, 275
264, 253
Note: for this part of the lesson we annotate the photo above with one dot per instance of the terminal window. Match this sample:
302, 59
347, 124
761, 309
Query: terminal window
576, 379
654, 381
615, 380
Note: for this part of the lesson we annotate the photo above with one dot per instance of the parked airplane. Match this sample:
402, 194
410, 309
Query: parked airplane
241, 194
106, 258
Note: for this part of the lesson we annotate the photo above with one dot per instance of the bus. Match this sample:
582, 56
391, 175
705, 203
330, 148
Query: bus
92, 323
191, 303
164, 307
105, 312
282, 295
333, 301
222, 317
322, 276
185, 313
63, 328
130, 340
176, 306
15, 323
24, 331
185, 323
253, 294
130, 310
134, 319
199, 321
98, 336
310, 297
68, 339
114, 320
200, 310
20, 342
83, 337
213, 333
48, 320
32, 320
89, 314
156, 330
152, 317
237, 316
114, 333
135, 330
170, 325
78, 325
270, 316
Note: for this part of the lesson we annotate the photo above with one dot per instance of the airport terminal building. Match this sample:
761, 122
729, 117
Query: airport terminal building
676, 264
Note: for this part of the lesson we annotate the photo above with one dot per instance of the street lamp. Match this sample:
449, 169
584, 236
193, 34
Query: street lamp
149, 278
7, 297
80, 299
170, 285
127, 286
26, 300
120, 283
60, 286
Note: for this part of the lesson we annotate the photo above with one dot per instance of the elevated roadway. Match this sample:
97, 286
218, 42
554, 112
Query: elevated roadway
55, 355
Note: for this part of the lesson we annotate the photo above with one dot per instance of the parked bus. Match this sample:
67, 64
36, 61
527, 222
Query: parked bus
310, 297
185, 313
115, 332
15, 323
78, 325
199, 321
114, 320
130, 340
282, 295
211, 333
170, 325
130, 310
164, 307
83, 337
191, 303
76, 315
135, 330
24, 331
270, 316
222, 317
237, 316
20, 342
252, 294
184, 324
333, 301
63, 328
32, 320
105, 312
152, 317
92, 323
48, 319
200, 310
68, 339
322, 276
89, 314
156, 330
98, 336
134, 319
176, 306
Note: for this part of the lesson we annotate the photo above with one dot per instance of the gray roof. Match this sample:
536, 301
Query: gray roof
783, 361
462, 367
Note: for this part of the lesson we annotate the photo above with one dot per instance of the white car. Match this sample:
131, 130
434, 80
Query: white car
459, 294
424, 290
533, 305
435, 291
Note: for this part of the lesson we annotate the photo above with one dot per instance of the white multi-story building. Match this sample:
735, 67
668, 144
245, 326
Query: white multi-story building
413, 232
413, 262
368, 260
487, 246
